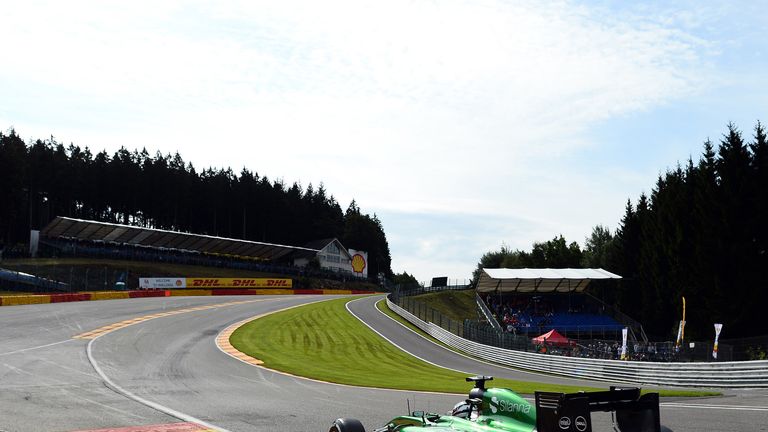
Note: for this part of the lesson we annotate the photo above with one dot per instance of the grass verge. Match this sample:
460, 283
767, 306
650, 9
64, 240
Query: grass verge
323, 341
456, 305
384, 308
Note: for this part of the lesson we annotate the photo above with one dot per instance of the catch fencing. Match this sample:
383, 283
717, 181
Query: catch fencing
746, 374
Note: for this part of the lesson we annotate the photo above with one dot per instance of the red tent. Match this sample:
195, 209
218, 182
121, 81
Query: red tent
552, 337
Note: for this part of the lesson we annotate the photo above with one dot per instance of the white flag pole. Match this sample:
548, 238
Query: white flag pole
624, 343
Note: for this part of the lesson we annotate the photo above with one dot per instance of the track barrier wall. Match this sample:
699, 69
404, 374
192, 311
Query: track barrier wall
743, 374
16, 300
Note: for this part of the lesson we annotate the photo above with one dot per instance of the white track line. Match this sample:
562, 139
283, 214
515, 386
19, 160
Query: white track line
163, 409
35, 348
398, 346
712, 407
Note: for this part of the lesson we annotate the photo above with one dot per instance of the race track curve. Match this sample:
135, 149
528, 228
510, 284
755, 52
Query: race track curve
47, 381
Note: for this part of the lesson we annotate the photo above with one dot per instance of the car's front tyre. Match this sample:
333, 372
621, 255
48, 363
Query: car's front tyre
346, 425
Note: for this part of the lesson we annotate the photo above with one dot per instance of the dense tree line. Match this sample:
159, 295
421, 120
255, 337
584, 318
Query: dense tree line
702, 233
45, 179
555, 253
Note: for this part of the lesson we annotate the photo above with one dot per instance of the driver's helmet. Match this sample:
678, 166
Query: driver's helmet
462, 410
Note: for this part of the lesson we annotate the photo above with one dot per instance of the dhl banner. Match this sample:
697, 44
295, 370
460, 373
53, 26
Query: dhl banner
239, 283
182, 283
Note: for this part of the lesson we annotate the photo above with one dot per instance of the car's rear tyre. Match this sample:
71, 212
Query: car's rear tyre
346, 425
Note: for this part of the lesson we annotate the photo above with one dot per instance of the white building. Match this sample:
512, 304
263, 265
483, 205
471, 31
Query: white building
332, 255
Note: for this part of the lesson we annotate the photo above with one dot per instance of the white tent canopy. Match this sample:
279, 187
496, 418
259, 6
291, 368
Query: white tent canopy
547, 280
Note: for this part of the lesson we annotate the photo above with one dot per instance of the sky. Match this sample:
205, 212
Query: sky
463, 125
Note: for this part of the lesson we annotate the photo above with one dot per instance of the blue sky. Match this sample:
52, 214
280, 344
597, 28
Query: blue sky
462, 124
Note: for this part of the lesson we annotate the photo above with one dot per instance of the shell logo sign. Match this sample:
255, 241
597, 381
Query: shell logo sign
358, 263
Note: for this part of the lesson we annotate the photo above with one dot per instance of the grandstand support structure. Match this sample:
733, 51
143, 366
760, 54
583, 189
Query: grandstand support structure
487, 313
633, 325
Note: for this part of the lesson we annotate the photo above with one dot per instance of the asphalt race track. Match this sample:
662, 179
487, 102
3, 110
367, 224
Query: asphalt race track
48, 383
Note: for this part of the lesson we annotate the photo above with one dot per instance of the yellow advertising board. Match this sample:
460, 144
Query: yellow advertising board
238, 283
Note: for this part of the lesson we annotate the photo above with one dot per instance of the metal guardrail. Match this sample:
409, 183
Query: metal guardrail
746, 374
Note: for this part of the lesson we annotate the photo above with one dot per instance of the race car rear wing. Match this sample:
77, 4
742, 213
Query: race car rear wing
571, 412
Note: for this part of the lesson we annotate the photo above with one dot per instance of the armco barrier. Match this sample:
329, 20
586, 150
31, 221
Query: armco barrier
747, 374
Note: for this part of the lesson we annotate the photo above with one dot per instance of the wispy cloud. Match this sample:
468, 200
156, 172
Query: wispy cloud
455, 107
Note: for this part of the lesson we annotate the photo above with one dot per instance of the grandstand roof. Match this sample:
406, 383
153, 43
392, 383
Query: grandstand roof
76, 229
539, 280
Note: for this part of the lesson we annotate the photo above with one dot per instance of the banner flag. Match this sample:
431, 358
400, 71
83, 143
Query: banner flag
682, 329
718, 328
624, 343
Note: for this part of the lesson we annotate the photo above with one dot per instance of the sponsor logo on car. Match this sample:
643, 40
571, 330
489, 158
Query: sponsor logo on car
564, 423
580, 423
508, 406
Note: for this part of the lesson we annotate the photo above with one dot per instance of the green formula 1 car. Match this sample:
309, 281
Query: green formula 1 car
502, 410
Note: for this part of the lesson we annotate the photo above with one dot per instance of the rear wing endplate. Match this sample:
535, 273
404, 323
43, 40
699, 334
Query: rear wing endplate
571, 412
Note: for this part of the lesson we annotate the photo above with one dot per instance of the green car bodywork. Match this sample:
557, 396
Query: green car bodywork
495, 410
502, 410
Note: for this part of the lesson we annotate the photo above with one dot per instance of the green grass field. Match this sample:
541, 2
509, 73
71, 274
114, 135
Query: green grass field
323, 341
456, 305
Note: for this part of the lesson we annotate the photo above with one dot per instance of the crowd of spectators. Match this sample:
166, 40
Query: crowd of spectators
517, 314
531, 314
611, 350
526, 314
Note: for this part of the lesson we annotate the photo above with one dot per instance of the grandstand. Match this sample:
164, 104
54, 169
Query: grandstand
531, 302
68, 237
103, 233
